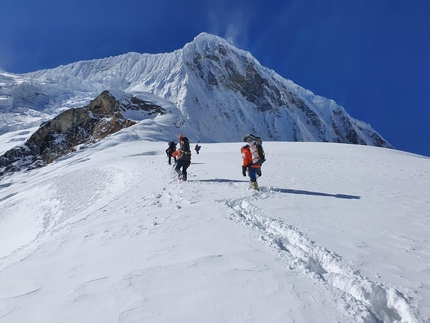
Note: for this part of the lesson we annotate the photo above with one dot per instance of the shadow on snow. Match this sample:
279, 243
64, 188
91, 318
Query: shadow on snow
340, 196
218, 180
281, 190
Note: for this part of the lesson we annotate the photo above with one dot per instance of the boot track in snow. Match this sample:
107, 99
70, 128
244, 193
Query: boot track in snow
373, 301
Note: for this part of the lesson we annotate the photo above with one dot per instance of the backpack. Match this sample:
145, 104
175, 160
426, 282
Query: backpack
185, 144
172, 146
256, 149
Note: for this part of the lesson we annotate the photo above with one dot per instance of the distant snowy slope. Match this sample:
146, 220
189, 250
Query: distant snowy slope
220, 91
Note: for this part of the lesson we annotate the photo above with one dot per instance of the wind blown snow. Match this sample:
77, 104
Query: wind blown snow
337, 233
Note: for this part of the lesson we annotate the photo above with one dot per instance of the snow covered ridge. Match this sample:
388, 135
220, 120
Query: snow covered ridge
219, 91
76, 129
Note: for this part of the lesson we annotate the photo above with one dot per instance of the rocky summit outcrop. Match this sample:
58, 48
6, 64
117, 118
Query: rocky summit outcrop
72, 128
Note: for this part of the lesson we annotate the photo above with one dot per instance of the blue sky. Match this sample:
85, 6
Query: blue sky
370, 56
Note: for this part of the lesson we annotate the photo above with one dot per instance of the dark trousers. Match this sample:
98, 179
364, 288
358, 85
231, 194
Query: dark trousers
253, 174
184, 164
169, 159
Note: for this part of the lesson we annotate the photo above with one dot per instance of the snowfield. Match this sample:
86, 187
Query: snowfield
337, 233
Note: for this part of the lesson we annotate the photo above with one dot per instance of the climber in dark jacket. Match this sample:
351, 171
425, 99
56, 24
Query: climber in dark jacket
169, 151
184, 159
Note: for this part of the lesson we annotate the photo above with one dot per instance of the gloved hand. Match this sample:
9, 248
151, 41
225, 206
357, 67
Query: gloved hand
258, 172
244, 170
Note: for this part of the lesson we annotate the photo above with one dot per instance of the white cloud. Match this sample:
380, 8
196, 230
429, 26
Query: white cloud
231, 22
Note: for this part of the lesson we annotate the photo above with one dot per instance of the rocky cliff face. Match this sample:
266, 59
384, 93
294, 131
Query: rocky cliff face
260, 101
63, 134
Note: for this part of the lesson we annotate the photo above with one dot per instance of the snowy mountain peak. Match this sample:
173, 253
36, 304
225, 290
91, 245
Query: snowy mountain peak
215, 92
206, 37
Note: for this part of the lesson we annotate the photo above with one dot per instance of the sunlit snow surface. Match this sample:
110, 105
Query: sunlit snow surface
337, 233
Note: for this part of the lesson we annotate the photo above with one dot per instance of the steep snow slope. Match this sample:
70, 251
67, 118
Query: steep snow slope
338, 233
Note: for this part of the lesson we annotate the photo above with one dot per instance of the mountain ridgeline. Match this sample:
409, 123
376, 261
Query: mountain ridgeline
209, 89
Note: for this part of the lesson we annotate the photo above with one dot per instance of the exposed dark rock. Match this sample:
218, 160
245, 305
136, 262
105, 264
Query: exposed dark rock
61, 135
219, 68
